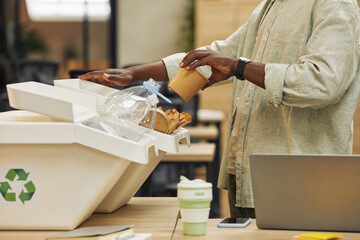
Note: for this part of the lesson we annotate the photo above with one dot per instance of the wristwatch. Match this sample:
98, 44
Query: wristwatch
239, 71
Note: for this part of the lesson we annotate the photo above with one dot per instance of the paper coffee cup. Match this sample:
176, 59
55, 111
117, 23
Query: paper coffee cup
194, 199
187, 83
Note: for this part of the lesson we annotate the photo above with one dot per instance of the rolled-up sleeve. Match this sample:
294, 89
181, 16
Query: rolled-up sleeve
274, 82
172, 64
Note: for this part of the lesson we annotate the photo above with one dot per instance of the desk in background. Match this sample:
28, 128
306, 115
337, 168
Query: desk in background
209, 117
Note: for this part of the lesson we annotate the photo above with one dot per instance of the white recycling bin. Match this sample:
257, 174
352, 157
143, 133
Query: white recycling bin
130, 181
54, 171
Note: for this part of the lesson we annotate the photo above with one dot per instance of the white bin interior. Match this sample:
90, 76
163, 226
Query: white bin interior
55, 102
75, 107
100, 92
165, 142
77, 169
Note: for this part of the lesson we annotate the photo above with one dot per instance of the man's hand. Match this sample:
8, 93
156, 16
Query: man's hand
109, 77
124, 77
222, 67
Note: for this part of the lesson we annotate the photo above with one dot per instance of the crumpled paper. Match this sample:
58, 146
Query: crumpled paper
174, 120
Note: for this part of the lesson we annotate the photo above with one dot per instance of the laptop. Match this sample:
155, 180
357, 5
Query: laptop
306, 192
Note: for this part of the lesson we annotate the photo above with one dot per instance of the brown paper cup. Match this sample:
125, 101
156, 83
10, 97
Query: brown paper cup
188, 83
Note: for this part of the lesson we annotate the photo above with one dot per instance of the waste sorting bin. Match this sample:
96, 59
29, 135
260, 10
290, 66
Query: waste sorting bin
130, 181
54, 171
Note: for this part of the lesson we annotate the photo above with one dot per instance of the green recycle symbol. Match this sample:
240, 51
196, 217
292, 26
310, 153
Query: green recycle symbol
22, 176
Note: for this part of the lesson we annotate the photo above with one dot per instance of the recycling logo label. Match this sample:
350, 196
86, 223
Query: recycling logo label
17, 186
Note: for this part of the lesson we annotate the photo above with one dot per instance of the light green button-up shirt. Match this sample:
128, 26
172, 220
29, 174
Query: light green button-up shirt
311, 50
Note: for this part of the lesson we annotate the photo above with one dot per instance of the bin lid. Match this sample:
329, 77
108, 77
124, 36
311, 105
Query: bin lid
101, 92
59, 103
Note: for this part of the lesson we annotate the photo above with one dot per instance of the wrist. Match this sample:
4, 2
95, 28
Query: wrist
233, 67
240, 67
134, 74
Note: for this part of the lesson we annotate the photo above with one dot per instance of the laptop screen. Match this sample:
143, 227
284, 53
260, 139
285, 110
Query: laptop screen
307, 192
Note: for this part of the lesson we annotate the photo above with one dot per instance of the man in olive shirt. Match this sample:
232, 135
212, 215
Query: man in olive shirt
300, 60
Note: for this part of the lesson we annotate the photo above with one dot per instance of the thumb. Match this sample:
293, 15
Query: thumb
208, 84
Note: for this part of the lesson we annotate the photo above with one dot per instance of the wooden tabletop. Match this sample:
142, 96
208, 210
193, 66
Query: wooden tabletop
158, 216
251, 232
203, 132
148, 215
208, 115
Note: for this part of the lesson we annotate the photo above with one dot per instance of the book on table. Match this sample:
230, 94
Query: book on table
119, 232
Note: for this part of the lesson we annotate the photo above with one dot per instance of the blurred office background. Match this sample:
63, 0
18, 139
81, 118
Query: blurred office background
43, 40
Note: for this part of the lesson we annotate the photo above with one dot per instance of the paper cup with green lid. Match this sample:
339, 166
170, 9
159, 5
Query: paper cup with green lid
194, 198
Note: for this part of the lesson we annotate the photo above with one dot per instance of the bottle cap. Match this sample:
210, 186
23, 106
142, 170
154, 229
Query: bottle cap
154, 87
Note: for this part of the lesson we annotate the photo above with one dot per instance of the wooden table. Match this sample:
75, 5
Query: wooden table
251, 232
148, 215
210, 116
158, 216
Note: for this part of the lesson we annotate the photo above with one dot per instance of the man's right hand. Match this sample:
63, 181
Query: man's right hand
110, 77
124, 77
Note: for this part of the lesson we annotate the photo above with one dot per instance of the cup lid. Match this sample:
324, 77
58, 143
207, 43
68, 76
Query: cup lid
196, 183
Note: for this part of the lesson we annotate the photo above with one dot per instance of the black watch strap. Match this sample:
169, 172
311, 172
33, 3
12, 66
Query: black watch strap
239, 72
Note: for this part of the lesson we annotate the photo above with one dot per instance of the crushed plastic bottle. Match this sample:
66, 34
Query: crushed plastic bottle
127, 113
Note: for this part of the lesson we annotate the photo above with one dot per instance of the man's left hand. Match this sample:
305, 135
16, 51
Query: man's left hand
222, 67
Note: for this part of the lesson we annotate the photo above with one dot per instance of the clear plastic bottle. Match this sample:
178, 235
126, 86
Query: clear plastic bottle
127, 113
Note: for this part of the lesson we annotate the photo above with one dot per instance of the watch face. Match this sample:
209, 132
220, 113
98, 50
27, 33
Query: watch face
240, 67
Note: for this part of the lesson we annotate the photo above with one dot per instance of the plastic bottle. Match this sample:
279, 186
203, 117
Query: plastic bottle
127, 113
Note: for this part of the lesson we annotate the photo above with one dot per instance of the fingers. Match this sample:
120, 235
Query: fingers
208, 84
194, 55
95, 76
215, 77
90, 76
109, 77
117, 79
199, 63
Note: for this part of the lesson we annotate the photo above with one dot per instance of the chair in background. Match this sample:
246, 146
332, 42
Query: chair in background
4, 102
43, 71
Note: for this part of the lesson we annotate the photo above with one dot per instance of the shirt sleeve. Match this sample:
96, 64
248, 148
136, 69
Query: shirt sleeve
329, 63
230, 46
